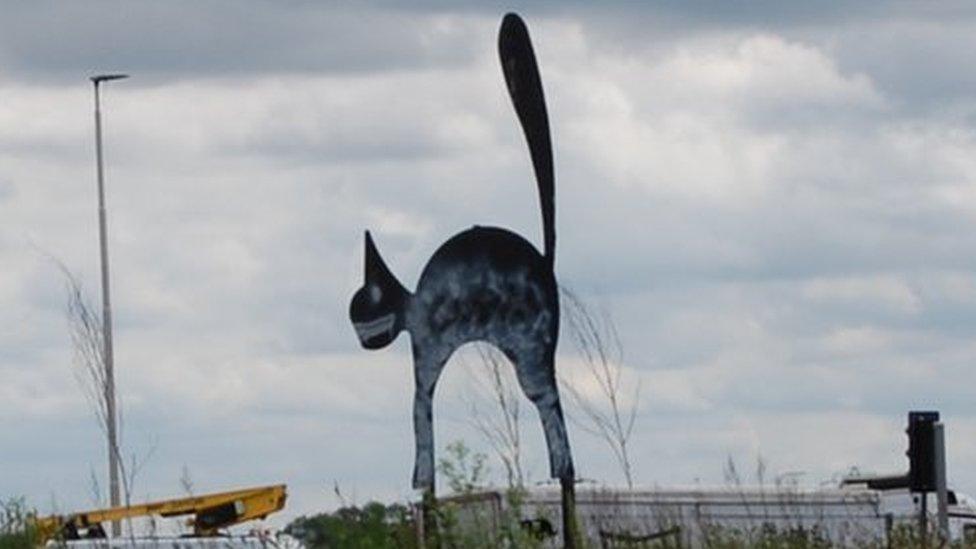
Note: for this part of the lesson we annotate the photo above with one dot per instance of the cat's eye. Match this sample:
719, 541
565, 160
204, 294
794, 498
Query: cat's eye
375, 293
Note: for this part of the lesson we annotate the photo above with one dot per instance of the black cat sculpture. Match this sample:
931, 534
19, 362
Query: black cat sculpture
484, 284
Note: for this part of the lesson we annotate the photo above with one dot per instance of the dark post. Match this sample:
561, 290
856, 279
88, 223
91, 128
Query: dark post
941, 489
428, 511
569, 512
923, 523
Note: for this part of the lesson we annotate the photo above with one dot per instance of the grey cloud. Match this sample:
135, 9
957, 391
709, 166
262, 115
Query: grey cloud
179, 40
6, 189
923, 64
687, 14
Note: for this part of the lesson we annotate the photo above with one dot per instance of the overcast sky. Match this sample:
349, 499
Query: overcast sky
776, 204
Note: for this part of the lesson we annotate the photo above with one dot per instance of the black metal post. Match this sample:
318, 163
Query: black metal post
569, 512
923, 522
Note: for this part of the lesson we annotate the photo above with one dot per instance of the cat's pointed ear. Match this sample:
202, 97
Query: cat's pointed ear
371, 256
376, 269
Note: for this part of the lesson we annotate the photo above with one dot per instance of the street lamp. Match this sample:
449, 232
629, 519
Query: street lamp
110, 420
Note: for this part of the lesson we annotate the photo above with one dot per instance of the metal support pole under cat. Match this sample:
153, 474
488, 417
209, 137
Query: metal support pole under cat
569, 512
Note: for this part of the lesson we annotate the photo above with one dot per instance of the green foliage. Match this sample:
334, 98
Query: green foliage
468, 519
373, 525
379, 526
908, 536
465, 471
902, 536
474, 526
512, 530
17, 530
766, 537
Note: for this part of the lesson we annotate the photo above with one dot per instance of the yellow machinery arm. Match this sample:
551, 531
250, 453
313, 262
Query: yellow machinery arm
210, 512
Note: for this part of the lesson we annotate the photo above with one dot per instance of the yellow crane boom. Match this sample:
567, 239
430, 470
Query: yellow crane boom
210, 513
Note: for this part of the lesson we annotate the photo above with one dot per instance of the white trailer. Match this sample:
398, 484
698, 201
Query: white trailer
611, 517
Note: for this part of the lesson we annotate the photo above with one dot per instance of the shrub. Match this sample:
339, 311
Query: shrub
17, 529
373, 525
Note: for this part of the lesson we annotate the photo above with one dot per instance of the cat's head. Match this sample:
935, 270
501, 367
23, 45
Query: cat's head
377, 308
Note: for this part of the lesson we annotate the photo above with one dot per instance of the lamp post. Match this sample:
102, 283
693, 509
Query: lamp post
108, 357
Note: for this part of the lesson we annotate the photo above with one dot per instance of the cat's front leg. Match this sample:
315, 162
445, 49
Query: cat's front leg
423, 427
428, 364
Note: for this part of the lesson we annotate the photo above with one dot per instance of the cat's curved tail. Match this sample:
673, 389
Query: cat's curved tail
525, 89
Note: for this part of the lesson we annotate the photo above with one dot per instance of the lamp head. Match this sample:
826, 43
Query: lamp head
106, 77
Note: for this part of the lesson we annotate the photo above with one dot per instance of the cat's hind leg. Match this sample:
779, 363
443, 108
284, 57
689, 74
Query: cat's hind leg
427, 364
536, 376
